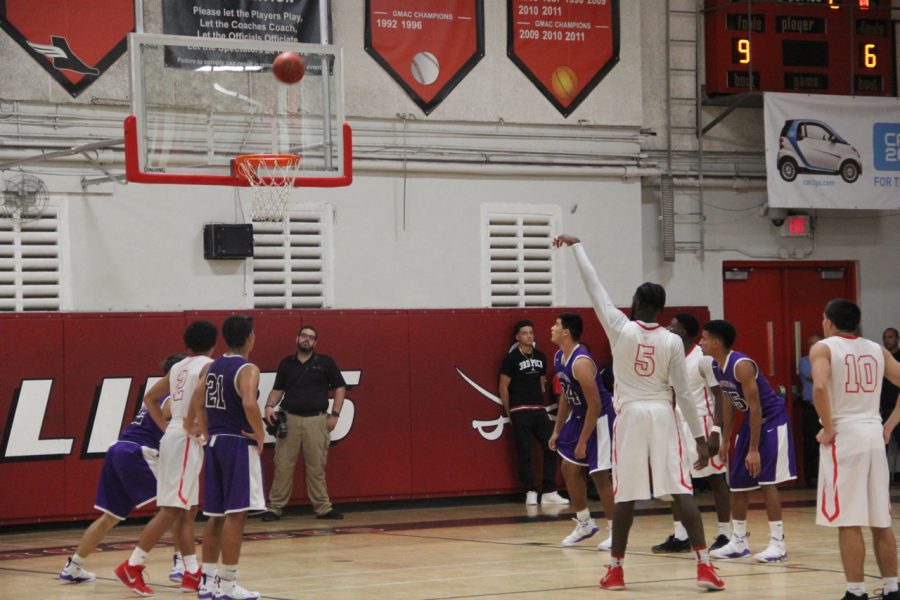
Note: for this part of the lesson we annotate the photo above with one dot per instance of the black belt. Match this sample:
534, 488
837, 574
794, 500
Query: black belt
307, 413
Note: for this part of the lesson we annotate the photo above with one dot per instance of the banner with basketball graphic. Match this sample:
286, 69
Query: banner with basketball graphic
75, 41
427, 46
564, 48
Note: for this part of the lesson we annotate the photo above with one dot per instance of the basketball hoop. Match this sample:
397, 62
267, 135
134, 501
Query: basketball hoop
271, 178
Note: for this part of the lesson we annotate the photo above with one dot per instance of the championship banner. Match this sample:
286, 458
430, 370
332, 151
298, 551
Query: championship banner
263, 20
75, 41
832, 151
427, 46
565, 49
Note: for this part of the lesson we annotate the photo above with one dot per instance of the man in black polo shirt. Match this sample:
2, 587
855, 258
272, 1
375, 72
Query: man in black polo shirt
523, 379
302, 385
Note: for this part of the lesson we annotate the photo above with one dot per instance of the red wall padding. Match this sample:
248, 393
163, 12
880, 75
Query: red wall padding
413, 433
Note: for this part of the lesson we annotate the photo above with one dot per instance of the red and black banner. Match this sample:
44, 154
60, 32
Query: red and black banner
73, 40
565, 49
427, 46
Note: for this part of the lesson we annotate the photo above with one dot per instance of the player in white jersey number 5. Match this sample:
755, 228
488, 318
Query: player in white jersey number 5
854, 492
648, 363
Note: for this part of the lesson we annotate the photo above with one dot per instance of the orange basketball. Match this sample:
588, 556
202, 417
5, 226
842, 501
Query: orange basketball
288, 67
564, 83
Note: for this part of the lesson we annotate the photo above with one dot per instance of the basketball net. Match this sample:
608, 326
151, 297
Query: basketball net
271, 178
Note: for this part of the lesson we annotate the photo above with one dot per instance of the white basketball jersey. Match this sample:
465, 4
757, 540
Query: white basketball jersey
700, 379
857, 368
183, 378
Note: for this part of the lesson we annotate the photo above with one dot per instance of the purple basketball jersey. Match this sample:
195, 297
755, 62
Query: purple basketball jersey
772, 404
225, 413
143, 430
572, 389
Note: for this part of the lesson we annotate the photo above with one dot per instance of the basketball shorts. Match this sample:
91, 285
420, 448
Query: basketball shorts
568, 439
776, 455
604, 435
128, 479
648, 446
180, 461
854, 478
715, 467
232, 476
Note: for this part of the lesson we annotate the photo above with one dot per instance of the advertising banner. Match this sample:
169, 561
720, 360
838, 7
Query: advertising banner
263, 20
427, 46
75, 41
565, 49
832, 151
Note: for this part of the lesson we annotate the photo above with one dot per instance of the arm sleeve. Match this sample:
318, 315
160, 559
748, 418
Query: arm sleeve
508, 367
679, 379
612, 319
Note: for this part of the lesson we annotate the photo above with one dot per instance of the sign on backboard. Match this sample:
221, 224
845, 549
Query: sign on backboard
197, 103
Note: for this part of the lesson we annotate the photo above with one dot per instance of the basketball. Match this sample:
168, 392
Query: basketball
564, 83
288, 67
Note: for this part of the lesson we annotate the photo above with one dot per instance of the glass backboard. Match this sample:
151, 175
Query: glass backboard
199, 102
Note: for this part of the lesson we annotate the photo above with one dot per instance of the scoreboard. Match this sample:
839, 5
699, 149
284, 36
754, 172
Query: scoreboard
808, 46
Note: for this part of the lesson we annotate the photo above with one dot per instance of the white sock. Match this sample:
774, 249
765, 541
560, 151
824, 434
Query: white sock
209, 569
137, 557
616, 561
890, 585
725, 529
190, 563
702, 556
680, 531
857, 589
776, 530
739, 528
79, 562
583, 516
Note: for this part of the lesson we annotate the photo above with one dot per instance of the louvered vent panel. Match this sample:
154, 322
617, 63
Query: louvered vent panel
288, 262
521, 260
30, 263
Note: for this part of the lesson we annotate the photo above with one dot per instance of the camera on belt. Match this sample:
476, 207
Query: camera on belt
278, 425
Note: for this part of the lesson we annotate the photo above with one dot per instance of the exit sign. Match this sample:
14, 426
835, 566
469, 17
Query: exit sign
797, 226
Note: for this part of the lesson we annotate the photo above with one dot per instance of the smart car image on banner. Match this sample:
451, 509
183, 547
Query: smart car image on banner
809, 146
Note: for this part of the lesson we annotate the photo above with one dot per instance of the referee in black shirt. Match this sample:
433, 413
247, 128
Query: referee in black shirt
302, 385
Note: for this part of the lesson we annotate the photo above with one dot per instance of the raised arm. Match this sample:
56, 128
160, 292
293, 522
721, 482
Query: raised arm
611, 318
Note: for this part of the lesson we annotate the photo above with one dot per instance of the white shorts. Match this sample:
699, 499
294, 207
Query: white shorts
180, 461
647, 444
714, 467
604, 444
854, 479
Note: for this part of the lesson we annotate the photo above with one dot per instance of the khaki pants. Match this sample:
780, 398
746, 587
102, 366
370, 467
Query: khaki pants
309, 435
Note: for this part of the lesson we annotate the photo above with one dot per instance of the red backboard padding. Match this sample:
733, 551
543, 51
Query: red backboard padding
419, 429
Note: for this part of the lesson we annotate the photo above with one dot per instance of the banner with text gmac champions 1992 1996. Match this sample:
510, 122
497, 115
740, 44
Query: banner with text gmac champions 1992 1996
832, 151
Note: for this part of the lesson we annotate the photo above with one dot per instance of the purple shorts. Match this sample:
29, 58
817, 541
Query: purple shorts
127, 480
776, 456
232, 476
568, 439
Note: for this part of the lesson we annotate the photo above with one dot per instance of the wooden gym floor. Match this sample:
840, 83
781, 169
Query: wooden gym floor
464, 549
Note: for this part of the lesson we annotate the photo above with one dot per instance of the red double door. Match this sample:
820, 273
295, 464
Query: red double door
775, 307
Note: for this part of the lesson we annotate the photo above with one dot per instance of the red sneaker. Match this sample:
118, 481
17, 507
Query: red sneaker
614, 579
190, 582
707, 578
133, 578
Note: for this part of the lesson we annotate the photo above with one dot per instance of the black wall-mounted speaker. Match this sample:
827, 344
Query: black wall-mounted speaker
227, 241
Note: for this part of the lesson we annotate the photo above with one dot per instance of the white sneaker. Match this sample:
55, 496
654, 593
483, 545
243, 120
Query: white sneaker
736, 548
207, 587
605, 545
72, 573
531, 499
582, 531
177, 572
775, 552
553, 498
237, 593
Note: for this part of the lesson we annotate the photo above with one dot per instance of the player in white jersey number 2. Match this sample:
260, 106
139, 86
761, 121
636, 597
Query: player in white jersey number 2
648, 363
854, 492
